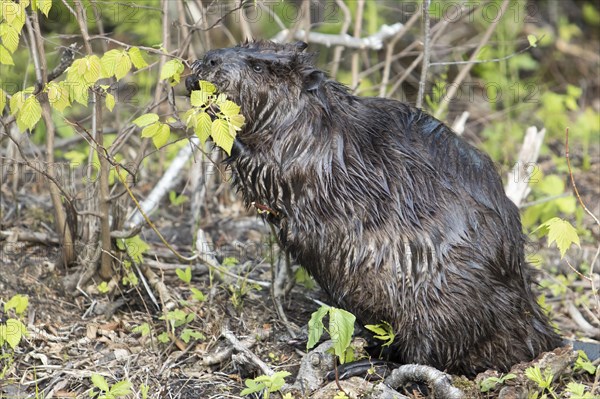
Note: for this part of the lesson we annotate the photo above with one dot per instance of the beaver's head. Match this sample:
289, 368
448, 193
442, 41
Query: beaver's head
270, 81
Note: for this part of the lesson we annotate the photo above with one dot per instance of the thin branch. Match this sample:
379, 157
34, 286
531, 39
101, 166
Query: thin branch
65, 221
585, 208
463, 72
82, 21
482, 61
426, 53
389, 54
337, 52
360, 6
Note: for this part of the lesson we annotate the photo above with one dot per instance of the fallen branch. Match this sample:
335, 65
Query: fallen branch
439, 382
517, 187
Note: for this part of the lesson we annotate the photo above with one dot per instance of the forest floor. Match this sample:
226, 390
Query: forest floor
74, 334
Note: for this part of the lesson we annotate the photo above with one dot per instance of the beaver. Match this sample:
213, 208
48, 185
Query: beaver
396, 217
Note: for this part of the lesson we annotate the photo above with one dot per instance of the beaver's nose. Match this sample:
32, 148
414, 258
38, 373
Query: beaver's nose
212, 59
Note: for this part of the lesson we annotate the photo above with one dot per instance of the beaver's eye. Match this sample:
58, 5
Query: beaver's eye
257, 68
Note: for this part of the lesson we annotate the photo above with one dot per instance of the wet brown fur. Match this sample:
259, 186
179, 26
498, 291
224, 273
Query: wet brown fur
396, 217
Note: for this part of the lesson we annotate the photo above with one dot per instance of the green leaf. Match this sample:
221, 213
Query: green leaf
103, 287
199, 98
229, 108
198, 295
143, 329
221, 135
584, 363
341, 328
17, 302
16, 102
9, 36
187, 334
532, 40
383, 331
203, 126
30, 113
5, 57
121, 388
189, 117
162, 135
136, 57
145, 120
110, 101
44, 6
207, 87
534, 374
574, 92
252, 387
315, 326
58, 96
134, 246
14, 14
93, 70
156, 132
184, 275
562, 233
237, 121
14, 332
278, 380
172, 69
123, 65
177, 200
551, 185
76, 70
2, 100
109, 62
163, 338
100, 382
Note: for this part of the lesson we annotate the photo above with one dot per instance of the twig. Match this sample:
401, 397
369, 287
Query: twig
223, 355
586, 210
481, 61
169, 179
338, 50
245, 27
439, 30
426, 53
238, 346
65, 221
463, 72
185, 49
542, 200
358, 21
389, 54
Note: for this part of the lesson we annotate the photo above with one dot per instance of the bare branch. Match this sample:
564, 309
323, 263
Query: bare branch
426, 53
373, 42
463, 72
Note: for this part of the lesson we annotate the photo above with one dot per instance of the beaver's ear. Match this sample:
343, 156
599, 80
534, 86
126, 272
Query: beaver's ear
313, 79
301, 46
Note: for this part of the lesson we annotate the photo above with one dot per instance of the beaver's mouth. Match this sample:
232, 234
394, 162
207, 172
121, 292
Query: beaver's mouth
192, 83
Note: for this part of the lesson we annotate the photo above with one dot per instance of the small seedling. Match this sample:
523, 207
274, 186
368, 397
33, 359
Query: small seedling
491, 383
383, 332
341, 329
118, 390
266, 384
